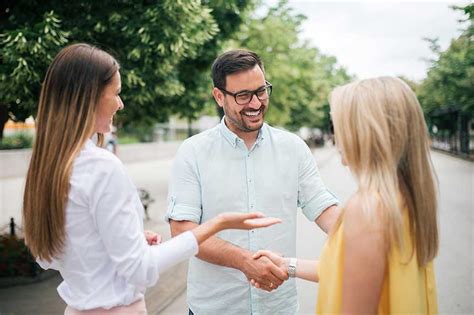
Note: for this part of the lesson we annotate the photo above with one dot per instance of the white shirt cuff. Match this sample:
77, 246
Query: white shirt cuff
174, 251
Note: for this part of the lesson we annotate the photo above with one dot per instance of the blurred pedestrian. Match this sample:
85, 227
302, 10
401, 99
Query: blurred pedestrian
111, 140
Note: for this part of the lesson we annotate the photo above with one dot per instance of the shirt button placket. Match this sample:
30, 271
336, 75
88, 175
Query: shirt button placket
253, 234
251, 197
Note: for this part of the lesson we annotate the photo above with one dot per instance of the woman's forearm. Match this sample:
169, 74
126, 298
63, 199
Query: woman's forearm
306, 269
204, 231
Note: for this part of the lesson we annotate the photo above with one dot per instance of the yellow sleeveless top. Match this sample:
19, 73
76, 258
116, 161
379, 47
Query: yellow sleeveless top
407, 288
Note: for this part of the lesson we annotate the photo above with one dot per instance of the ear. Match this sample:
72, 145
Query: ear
218, 96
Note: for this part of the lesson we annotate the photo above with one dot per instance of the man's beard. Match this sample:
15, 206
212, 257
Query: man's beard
240, 123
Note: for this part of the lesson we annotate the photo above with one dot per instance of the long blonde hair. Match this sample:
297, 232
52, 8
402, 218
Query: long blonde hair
66, 119
381, 131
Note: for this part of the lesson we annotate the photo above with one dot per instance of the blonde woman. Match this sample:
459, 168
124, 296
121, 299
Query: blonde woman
81, 213
379, 255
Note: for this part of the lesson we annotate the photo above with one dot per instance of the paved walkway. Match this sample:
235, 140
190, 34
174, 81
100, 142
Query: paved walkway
454, 265
149, 167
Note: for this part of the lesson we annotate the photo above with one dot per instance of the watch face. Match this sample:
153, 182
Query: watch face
292, 268
291, 271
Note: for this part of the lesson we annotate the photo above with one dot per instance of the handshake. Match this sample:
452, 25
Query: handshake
266, 270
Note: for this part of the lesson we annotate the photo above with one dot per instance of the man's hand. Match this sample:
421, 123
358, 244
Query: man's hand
262, 270
278, 260
219, 252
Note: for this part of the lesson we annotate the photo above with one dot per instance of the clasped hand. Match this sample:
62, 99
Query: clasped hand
267, 270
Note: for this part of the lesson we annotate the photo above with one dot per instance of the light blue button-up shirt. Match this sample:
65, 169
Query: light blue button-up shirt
215, 172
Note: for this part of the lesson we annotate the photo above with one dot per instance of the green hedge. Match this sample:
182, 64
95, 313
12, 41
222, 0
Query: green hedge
16, 259
17, 141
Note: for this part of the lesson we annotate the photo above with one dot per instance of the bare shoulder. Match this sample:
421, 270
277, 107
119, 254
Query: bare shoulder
362, 215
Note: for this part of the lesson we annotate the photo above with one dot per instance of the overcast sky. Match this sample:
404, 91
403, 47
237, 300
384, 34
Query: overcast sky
373, 38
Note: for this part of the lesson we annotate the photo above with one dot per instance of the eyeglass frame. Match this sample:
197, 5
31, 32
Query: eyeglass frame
267, 85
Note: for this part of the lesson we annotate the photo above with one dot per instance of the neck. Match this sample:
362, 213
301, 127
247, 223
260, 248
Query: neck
249, 137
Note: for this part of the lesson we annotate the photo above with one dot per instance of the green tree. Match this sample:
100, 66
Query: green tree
153, 41
26, 52
302, 77
195, 72
414, 85
451, 76
447, 93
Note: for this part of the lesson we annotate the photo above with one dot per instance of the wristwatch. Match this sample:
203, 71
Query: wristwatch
292, 268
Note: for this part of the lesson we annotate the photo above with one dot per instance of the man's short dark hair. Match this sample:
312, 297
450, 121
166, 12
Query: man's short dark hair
231, 62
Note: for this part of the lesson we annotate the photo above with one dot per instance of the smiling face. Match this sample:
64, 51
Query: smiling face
248, 118
109, 103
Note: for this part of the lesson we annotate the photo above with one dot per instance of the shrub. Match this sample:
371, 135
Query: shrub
16, 259
144, 133
17, 141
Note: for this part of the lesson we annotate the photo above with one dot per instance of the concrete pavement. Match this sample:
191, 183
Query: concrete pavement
454, 265
148, 165
307, 291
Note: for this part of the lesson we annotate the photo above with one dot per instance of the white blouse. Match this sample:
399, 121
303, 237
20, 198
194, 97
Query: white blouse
106, 260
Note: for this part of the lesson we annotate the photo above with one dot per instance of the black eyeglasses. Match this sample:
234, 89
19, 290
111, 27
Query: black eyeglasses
245, 97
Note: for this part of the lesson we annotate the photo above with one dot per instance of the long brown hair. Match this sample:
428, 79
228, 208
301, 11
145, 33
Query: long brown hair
381, 131
66, 119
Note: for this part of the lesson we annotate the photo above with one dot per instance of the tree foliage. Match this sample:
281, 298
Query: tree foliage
450, 79
163, 47
26, 51
195, 72
301, 75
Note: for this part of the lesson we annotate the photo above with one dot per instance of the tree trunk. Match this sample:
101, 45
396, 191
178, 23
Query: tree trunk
464, 132
190, 127
3, 118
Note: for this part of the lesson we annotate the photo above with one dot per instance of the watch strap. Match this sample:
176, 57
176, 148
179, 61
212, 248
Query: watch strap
292, 268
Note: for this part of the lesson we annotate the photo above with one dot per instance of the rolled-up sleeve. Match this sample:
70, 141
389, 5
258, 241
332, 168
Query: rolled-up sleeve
184, 191
313, 196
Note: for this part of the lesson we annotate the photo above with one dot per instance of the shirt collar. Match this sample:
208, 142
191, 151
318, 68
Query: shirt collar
261, 134
232, 138
228, 135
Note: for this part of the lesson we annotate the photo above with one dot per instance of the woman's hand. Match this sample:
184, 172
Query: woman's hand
232, 220
244, 221
152, 238
277, 259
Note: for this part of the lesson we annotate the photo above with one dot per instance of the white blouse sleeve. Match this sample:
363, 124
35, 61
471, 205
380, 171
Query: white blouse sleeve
115, 208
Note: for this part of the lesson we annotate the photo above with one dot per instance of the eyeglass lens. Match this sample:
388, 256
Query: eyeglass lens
245, 97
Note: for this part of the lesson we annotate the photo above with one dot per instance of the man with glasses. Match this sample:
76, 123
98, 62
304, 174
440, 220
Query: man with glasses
244, 165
